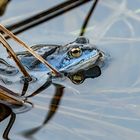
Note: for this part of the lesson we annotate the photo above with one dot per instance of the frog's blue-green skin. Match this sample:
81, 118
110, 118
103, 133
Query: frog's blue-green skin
70, 58
61, 58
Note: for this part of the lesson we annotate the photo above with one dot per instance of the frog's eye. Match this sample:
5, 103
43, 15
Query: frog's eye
75, 52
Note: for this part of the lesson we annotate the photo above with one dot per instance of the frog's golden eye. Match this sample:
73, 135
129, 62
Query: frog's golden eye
75, 52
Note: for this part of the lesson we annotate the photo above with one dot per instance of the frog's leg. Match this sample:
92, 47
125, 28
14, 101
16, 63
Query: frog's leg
10, 34
55, 102
17, 61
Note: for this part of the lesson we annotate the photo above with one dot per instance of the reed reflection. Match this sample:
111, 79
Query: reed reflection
8, 104
76, 78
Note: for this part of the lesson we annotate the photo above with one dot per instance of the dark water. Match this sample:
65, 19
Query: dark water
103, 108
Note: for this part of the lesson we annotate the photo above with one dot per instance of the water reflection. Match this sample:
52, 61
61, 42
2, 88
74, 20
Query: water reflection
8, 107
6, 111
8, 103
81, 75
47, 15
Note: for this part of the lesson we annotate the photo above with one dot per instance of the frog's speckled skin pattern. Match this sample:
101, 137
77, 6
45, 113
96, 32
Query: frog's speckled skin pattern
59, 57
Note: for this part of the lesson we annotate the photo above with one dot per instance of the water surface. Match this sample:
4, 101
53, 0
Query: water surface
104, 108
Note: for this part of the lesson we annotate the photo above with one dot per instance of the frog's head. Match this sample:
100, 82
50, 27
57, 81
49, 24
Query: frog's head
79, 54
70, 58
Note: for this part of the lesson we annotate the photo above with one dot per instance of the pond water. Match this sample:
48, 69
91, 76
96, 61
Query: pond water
103, 108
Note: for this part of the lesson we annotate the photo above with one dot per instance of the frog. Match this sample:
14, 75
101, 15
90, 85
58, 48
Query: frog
68, 59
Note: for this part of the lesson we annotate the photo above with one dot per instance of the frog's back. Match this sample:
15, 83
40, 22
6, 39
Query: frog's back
29, 61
